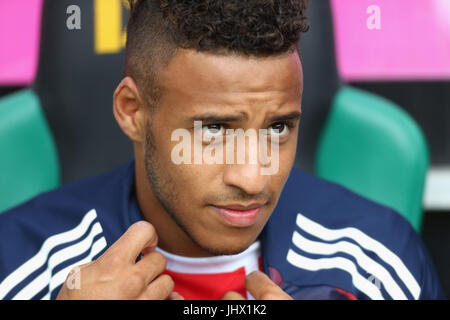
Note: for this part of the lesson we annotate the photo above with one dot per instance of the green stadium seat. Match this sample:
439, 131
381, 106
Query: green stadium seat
29, 162
375, 149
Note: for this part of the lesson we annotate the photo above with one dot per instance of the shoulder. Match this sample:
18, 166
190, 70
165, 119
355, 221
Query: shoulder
353, 243
45, 236
337, 207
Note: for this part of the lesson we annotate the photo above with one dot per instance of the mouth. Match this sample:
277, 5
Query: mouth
238, 215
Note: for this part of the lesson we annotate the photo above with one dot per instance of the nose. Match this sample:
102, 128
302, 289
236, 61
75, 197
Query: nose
247, 175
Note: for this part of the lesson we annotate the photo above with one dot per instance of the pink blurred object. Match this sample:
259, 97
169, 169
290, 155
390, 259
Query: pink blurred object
20, 31
413, 42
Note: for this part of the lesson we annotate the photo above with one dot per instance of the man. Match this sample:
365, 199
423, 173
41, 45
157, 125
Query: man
173, 225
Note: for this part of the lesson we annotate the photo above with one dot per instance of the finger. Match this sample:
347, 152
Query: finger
175, 296
159, 289
141, 235
262, 288
232, 295
151, 265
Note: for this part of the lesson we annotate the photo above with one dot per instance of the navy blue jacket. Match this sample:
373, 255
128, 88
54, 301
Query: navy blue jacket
321, 242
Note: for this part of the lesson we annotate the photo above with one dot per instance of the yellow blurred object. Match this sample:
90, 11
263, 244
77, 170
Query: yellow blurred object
109, 36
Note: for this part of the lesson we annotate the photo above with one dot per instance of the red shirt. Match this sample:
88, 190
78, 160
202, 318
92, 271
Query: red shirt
210, 278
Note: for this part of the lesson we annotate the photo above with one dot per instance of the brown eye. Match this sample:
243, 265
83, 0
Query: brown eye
279, 129
213, 130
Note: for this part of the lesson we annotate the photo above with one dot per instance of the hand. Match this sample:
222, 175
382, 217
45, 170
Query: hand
117, 275
260, 287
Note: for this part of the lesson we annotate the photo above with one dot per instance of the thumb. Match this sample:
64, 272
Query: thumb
232, 295
175, 296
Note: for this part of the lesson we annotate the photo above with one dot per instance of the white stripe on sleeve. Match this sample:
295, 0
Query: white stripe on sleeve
361, 283
364, 261
61, 276
40, 258
365, 242
40, 282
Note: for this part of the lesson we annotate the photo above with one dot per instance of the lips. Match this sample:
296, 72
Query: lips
239, 215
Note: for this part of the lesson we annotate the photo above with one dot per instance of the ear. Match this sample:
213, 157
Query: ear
129, 110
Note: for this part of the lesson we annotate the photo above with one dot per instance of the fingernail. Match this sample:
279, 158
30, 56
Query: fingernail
253, 273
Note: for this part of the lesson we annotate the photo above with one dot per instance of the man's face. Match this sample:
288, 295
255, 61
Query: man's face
223, 207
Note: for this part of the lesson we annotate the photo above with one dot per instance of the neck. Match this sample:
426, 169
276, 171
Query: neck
171, 237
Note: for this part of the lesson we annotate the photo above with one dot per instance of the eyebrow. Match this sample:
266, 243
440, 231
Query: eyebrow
210, 117
296, 115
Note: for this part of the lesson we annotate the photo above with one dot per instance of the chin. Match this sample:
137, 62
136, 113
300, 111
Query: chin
225, 247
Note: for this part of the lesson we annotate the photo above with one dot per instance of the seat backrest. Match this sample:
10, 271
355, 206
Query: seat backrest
321, 81
374, 148
28, 157
79, 70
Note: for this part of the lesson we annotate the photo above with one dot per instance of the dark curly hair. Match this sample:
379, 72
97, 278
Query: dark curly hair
157, 28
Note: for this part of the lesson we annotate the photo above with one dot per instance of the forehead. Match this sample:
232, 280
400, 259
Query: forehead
196, 76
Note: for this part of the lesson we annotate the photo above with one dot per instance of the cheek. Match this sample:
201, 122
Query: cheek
198, 181
287, 155
191, 181
190, 184
286, 161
